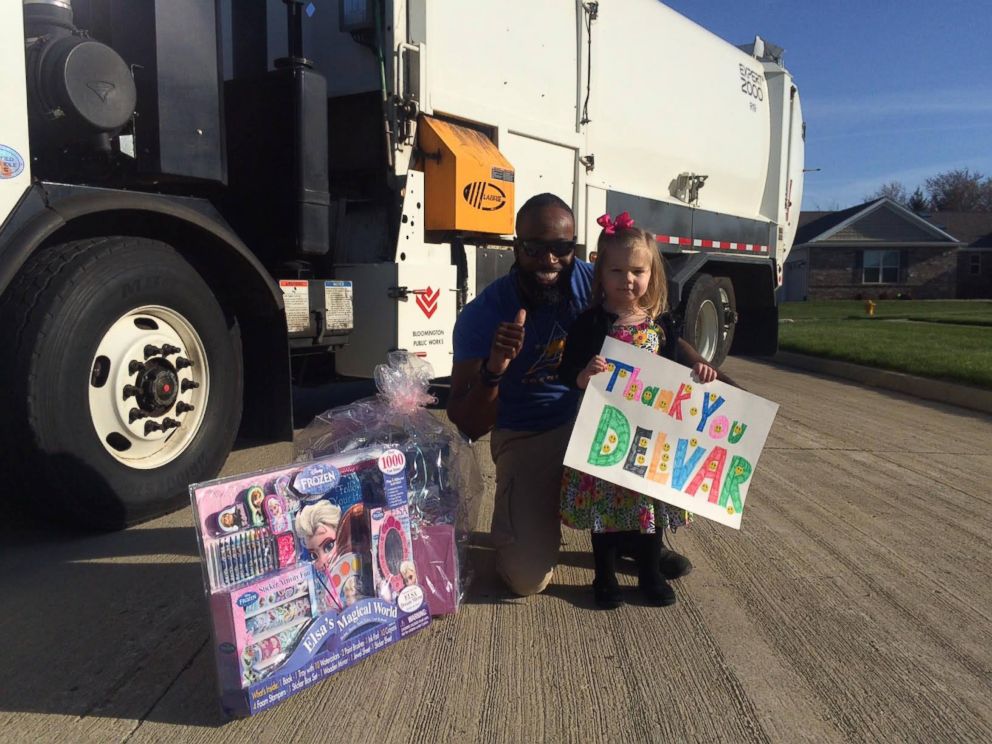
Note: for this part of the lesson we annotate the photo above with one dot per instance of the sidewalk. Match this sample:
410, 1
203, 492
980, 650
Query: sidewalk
965, 396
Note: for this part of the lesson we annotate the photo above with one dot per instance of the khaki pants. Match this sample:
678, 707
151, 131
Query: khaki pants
526, 527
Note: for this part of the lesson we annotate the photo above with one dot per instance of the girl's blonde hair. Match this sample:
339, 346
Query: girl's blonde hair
655, 299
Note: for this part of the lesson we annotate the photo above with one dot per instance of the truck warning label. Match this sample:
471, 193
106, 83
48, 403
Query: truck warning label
502, 174
339, 305
296, 297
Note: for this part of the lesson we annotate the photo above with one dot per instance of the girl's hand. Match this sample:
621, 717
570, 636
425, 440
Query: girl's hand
704, 372
596, 365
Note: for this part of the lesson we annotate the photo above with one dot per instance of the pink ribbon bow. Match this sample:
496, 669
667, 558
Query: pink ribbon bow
610, 226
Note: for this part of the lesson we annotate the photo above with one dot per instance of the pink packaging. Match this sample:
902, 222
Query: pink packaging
435, 554
392, 551
289, 566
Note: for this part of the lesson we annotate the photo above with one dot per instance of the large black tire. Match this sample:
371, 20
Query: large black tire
58, 312
728, 306
710, 316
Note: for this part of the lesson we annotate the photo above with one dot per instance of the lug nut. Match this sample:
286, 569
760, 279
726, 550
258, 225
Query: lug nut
188, 385
183, 407
134, 414
151, 351
129, 390
169, 349
168, 423
183, 363
134, 367
151, 426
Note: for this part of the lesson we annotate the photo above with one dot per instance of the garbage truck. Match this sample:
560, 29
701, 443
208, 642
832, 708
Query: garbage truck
203, 201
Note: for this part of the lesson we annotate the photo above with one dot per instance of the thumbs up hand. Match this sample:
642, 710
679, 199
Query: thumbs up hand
507, 343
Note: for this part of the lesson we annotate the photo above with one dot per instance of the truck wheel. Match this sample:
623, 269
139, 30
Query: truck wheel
728, 313
710, 317
124, 379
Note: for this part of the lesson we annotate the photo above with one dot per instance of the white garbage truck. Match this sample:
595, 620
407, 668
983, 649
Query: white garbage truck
202, 201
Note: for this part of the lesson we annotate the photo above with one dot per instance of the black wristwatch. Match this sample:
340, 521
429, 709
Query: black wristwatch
488, 378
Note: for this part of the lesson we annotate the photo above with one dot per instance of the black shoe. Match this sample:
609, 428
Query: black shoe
658, 594
652, 583
671, 564
674, 565
608, 595
605, 588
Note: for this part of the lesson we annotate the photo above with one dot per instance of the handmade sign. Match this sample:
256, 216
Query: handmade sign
646, 425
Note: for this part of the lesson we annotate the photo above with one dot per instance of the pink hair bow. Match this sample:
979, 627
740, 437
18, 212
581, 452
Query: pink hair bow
610, 226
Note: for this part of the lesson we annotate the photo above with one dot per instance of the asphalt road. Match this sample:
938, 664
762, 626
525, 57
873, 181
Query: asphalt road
854, 605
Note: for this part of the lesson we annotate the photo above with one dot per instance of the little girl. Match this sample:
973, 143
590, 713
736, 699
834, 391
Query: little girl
629, 296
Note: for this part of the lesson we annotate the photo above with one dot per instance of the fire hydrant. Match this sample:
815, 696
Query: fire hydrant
870, 308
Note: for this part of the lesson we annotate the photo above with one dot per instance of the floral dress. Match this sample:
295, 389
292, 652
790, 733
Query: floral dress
588, 503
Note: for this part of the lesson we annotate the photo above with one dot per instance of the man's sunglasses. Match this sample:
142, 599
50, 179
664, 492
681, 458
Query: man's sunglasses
537, 248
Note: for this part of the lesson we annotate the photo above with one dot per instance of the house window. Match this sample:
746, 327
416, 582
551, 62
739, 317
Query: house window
976, 263
881, 267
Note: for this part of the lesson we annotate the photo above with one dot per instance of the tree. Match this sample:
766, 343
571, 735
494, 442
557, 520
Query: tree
960, 191
918, 202
893, 190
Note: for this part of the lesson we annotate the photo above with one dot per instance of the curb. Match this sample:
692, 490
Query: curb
964, 396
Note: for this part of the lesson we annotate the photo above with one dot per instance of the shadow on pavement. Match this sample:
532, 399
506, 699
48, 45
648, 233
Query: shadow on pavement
486, 587
104, 624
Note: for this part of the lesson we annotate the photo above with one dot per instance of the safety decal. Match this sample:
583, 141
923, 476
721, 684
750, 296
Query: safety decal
11, 163
502, 174
296, 298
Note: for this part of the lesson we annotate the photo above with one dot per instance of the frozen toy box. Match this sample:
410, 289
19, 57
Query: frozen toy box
307, 568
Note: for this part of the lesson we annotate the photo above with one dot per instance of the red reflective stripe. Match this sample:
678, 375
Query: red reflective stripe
707, 243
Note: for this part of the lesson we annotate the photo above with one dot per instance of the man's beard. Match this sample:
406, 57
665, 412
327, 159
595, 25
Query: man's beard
537, 293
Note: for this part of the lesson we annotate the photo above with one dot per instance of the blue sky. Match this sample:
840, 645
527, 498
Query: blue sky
891, 89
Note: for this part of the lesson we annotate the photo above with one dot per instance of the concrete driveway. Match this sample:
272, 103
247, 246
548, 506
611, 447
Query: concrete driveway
854, 605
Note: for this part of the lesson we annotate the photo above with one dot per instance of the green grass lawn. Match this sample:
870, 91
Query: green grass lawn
949, 339
968, 312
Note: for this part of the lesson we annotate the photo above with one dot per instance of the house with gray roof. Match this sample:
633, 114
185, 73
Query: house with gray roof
881, 250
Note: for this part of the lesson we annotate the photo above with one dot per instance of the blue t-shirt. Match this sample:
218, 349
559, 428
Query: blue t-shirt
530, 396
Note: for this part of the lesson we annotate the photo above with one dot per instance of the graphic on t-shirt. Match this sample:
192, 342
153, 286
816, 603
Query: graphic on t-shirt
545, 367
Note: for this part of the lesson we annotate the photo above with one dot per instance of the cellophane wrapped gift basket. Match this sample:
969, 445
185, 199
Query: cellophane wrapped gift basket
310, 567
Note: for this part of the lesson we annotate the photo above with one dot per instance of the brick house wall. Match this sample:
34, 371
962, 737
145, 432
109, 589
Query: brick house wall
836, 273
